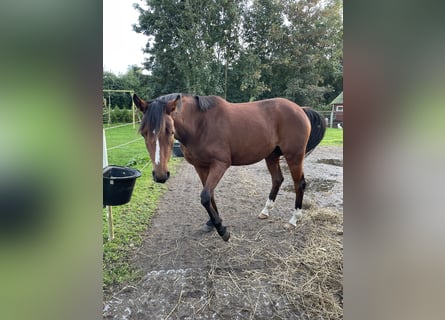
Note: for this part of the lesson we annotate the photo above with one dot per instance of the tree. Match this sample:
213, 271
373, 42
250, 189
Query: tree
227, 36
191, 44
244, 50
262, 35
315, 43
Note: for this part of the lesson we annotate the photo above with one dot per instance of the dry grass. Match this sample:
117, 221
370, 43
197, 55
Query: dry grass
299, 276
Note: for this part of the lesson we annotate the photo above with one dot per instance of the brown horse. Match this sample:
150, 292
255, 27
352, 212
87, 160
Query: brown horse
216, 134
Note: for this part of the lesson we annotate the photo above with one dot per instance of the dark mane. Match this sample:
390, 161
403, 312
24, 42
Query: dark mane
206, 102
153, 118
169, 96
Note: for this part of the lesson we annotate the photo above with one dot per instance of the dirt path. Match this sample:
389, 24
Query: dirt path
194, 275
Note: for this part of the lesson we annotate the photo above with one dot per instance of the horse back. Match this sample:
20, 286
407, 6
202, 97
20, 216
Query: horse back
279, 116
252, 131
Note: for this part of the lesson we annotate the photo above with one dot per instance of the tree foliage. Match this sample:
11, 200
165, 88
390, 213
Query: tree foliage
242, 50
133, 79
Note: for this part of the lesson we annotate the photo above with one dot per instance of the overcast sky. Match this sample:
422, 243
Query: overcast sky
121, 45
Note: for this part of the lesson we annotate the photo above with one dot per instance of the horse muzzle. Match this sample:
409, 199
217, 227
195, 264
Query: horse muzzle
162, 178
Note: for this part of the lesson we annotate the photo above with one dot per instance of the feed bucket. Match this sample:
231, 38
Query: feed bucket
177, 149
118, 184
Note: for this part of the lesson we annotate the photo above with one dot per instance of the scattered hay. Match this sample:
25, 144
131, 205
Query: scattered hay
298, 275
268, 273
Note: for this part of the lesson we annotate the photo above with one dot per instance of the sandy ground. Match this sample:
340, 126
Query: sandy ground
189, 274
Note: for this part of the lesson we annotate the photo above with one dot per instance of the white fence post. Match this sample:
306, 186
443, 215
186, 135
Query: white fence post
104, 152
109, 210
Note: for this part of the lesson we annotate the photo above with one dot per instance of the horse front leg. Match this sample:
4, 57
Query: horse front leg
216, 171
208, 226
203, 173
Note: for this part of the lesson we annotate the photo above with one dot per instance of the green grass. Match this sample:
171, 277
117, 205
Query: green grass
332, 137
132, 219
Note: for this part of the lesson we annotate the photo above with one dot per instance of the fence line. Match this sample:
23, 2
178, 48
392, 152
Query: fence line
122, 125
145, 165
124, 144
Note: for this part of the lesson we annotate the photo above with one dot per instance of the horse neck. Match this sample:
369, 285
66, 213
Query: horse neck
186, 124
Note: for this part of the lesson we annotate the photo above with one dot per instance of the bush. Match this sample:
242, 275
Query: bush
119, 115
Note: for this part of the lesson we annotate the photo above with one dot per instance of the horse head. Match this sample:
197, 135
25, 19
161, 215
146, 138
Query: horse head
157, 128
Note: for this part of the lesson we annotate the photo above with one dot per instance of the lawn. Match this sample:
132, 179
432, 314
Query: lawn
332, 137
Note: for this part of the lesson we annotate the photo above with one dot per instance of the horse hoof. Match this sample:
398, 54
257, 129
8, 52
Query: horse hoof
263, 216
206, 228
226, 236
289, 226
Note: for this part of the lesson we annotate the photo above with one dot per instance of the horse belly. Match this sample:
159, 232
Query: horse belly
249, 151
243, 161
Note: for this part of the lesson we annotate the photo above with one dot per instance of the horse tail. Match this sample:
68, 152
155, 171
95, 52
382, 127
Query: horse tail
318, 129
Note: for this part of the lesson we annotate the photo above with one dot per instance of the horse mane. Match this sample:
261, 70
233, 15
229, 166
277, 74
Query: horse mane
172, 96
154, 117
206, 102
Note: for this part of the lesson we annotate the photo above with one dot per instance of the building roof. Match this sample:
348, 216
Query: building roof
338, 100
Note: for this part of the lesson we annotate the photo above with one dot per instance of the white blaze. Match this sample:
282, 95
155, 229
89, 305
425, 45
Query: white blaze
157, 152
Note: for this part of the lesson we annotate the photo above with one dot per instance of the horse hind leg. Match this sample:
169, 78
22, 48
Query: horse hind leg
297, 212
296, 169
273, 165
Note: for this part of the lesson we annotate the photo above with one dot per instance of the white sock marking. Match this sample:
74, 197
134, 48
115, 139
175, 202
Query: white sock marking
267, 207
296, 214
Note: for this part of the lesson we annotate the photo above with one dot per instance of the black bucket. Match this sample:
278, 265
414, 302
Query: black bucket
118, 184
177, 149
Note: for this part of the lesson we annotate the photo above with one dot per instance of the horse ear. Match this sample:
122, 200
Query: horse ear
141, 104
171, 105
